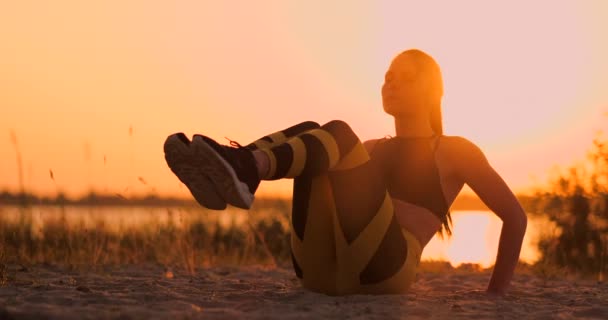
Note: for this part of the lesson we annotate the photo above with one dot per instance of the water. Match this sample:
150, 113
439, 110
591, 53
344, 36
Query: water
475, 233
475, 239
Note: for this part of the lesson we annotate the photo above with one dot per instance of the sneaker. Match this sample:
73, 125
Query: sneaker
232, 169
182, 160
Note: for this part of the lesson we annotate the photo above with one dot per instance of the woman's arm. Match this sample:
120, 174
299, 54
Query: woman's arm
475, 171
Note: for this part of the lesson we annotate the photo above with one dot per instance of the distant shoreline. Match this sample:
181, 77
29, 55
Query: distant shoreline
462, 202
92, 199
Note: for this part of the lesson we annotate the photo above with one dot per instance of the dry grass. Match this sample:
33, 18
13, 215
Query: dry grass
187, 238
181, 238
3, 267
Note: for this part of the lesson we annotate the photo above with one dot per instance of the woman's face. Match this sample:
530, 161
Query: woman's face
400, 89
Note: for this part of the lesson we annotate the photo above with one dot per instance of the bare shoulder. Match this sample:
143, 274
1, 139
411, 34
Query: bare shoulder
461, 151
458, 143
472, 168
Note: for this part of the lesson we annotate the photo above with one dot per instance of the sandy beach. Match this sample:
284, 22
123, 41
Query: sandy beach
249, 292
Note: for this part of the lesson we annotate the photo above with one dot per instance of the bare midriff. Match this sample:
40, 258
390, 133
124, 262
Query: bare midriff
421, 222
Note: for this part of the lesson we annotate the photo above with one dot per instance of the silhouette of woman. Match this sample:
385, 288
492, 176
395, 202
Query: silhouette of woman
362, 212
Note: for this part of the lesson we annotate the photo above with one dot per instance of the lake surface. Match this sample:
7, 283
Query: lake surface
475, 239
475, 233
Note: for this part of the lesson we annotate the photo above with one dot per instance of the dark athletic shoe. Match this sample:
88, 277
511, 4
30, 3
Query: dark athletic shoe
232, 170
182, 160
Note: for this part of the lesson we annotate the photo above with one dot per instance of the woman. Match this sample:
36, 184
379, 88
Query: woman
362, 212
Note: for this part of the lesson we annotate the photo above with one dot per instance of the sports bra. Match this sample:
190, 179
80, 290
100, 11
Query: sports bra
411, 173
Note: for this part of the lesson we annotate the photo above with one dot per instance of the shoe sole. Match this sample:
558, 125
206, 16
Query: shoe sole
222, 175
182, 161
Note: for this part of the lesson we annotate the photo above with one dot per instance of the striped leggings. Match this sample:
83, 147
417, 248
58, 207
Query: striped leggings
345, 238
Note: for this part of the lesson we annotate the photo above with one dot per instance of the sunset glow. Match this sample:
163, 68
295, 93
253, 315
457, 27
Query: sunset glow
475, 240
523, 80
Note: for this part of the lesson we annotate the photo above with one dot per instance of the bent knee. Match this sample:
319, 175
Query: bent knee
337, 126
310, 124
343, 134
300, 128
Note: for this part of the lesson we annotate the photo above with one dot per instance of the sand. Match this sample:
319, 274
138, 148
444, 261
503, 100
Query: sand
249, 292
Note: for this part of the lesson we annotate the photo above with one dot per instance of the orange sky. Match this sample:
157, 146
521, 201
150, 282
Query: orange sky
524, 80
